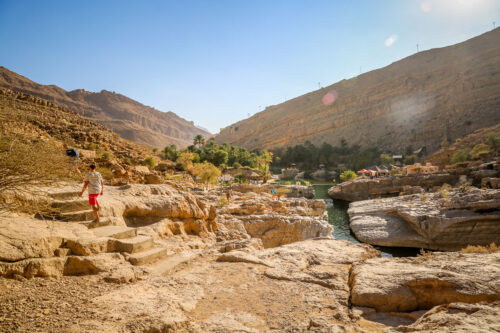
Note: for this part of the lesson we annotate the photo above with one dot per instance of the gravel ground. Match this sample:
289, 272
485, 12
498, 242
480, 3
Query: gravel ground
50, 305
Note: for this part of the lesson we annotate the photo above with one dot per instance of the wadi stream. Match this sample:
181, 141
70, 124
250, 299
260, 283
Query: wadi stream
338, 217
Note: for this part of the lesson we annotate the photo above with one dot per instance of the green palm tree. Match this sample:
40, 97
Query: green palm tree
199, 140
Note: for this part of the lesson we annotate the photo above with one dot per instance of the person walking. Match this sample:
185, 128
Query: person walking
93, 181
72, 153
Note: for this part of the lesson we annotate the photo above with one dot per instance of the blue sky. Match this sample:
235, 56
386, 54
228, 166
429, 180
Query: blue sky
215, 62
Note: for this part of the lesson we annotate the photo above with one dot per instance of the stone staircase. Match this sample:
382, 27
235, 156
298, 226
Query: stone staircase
140, 250
70, 207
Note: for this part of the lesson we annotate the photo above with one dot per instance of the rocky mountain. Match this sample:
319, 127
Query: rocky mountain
418, 101
125, 116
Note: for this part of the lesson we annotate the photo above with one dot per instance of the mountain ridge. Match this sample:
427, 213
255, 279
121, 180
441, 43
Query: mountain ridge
125, 116
437, 94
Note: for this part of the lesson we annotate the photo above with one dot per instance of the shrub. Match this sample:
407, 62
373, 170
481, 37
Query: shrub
410, 159
480, 150
287, 182
155, 150
461, 155
222, 202
348, 175
106, 155
236, 165
150, 162
386, 159
240, 178
445, 143
493, 140
307, 183
481, 249
106, 173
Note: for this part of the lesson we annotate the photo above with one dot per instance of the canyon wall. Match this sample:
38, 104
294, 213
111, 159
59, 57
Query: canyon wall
418, 101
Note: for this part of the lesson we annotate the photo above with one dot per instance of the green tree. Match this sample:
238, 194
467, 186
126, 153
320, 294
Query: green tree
170, 152
348, 175
386, 159
262, 161
199, 140
220, 157
410, 159
185, 159
206, 172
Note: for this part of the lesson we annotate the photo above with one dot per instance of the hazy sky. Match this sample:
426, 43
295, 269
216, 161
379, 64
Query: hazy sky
215, 62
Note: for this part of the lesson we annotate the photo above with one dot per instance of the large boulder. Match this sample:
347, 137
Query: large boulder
446, 220
410, 284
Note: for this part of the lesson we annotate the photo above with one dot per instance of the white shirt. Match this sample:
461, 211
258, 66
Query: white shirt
94, 179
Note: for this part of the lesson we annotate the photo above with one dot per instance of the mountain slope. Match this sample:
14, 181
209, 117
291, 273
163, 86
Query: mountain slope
129, 118
418, 101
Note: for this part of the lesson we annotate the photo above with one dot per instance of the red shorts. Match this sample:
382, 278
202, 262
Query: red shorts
93, 199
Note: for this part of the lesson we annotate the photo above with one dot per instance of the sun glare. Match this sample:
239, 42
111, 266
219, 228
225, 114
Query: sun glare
391, 40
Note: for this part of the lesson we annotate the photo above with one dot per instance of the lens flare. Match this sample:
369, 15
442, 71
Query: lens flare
426, 7
391, 40
329, 98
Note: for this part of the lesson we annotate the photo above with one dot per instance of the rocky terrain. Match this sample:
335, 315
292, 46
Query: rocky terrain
366, 188
433, 95
179, 259
130, 119
449, 219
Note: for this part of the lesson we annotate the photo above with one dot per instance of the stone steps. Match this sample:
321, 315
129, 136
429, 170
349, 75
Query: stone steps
115, 231
171, 262
93, 224
134, 244
79, 216
147, 257
65, 195
66, 206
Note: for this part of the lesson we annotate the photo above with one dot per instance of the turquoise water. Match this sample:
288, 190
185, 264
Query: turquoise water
338, 217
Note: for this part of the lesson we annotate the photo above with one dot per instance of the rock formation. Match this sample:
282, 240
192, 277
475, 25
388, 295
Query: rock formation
446, 220
184, 260
129, 118
418, 101
365, 188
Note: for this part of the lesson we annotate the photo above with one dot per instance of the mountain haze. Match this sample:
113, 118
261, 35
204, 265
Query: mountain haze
438, 94
125, 116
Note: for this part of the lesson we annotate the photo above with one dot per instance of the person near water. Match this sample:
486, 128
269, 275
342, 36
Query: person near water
273, 192
93, 181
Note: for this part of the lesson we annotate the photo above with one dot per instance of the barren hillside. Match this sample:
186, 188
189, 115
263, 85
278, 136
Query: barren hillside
418, 101
129, 118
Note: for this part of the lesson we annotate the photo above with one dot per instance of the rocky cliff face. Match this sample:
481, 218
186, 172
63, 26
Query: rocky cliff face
448, 220
129, 118
418, 101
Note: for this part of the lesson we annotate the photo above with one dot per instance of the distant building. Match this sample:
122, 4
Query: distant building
418, 168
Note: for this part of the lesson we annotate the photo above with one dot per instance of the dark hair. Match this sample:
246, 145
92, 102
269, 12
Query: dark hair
92, 166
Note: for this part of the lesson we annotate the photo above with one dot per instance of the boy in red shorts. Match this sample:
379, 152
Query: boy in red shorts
93, 180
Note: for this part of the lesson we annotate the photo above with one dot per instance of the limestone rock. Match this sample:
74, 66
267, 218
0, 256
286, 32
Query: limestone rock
23, 237
365, 188
33, 267
450, 220
410, 284
458, 317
